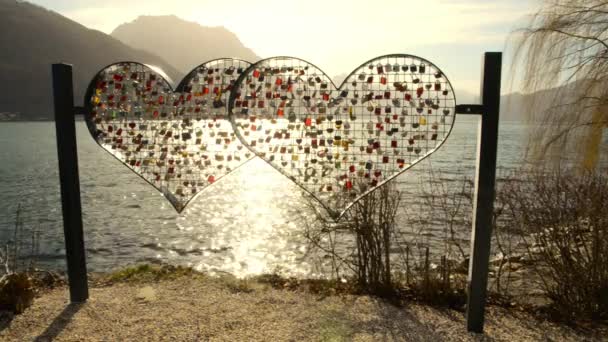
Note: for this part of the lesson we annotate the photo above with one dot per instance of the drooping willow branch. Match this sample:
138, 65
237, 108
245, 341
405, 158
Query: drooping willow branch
562, 59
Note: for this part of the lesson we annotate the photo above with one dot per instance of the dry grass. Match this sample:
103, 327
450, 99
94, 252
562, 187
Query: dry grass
187, 307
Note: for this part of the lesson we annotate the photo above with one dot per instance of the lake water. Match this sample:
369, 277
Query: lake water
248, 223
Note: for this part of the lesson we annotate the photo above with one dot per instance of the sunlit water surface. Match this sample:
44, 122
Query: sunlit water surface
247, 223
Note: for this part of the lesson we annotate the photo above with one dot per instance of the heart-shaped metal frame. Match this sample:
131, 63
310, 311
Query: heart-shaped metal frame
285, 80
191, 91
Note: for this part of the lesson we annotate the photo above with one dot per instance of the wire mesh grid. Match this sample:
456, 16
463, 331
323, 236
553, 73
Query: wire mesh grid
339, 144
179, 141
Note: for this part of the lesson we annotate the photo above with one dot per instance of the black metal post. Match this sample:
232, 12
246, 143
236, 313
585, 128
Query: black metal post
70, 185
484, 191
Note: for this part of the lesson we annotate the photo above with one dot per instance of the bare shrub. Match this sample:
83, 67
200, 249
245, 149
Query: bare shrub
563, 220
16, 292
18, 253
383, 245
360, 245
16, 282
373, 222
437, 271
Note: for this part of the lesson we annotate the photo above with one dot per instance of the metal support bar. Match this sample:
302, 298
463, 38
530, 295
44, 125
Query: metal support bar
70, 185
484, 192
78, 110
469, 109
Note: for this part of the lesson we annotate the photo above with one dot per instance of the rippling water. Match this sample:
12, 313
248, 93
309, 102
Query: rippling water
248, 223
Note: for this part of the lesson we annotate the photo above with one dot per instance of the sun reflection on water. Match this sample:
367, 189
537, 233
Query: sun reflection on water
244, 224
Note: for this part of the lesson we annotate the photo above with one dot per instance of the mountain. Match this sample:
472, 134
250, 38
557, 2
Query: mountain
517, 106
32, 38
513, 107
185, 44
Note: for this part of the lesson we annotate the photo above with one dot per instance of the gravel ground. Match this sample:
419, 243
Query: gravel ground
188, 309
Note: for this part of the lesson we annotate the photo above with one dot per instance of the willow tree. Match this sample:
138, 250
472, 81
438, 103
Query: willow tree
561, 59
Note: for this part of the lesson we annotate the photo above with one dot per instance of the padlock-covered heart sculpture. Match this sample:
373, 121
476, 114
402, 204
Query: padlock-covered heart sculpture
339, 144
178, 141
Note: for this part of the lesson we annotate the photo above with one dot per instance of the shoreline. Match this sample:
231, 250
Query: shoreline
166, 302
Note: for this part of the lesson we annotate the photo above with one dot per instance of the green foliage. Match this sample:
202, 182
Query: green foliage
322, 287
235, 285
334, 327
147, 272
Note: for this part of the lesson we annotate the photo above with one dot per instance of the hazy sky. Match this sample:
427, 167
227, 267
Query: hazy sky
335, 35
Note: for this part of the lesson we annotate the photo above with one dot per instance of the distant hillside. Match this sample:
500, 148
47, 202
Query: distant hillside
515, 106
32, 38
512, 107
184, 44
